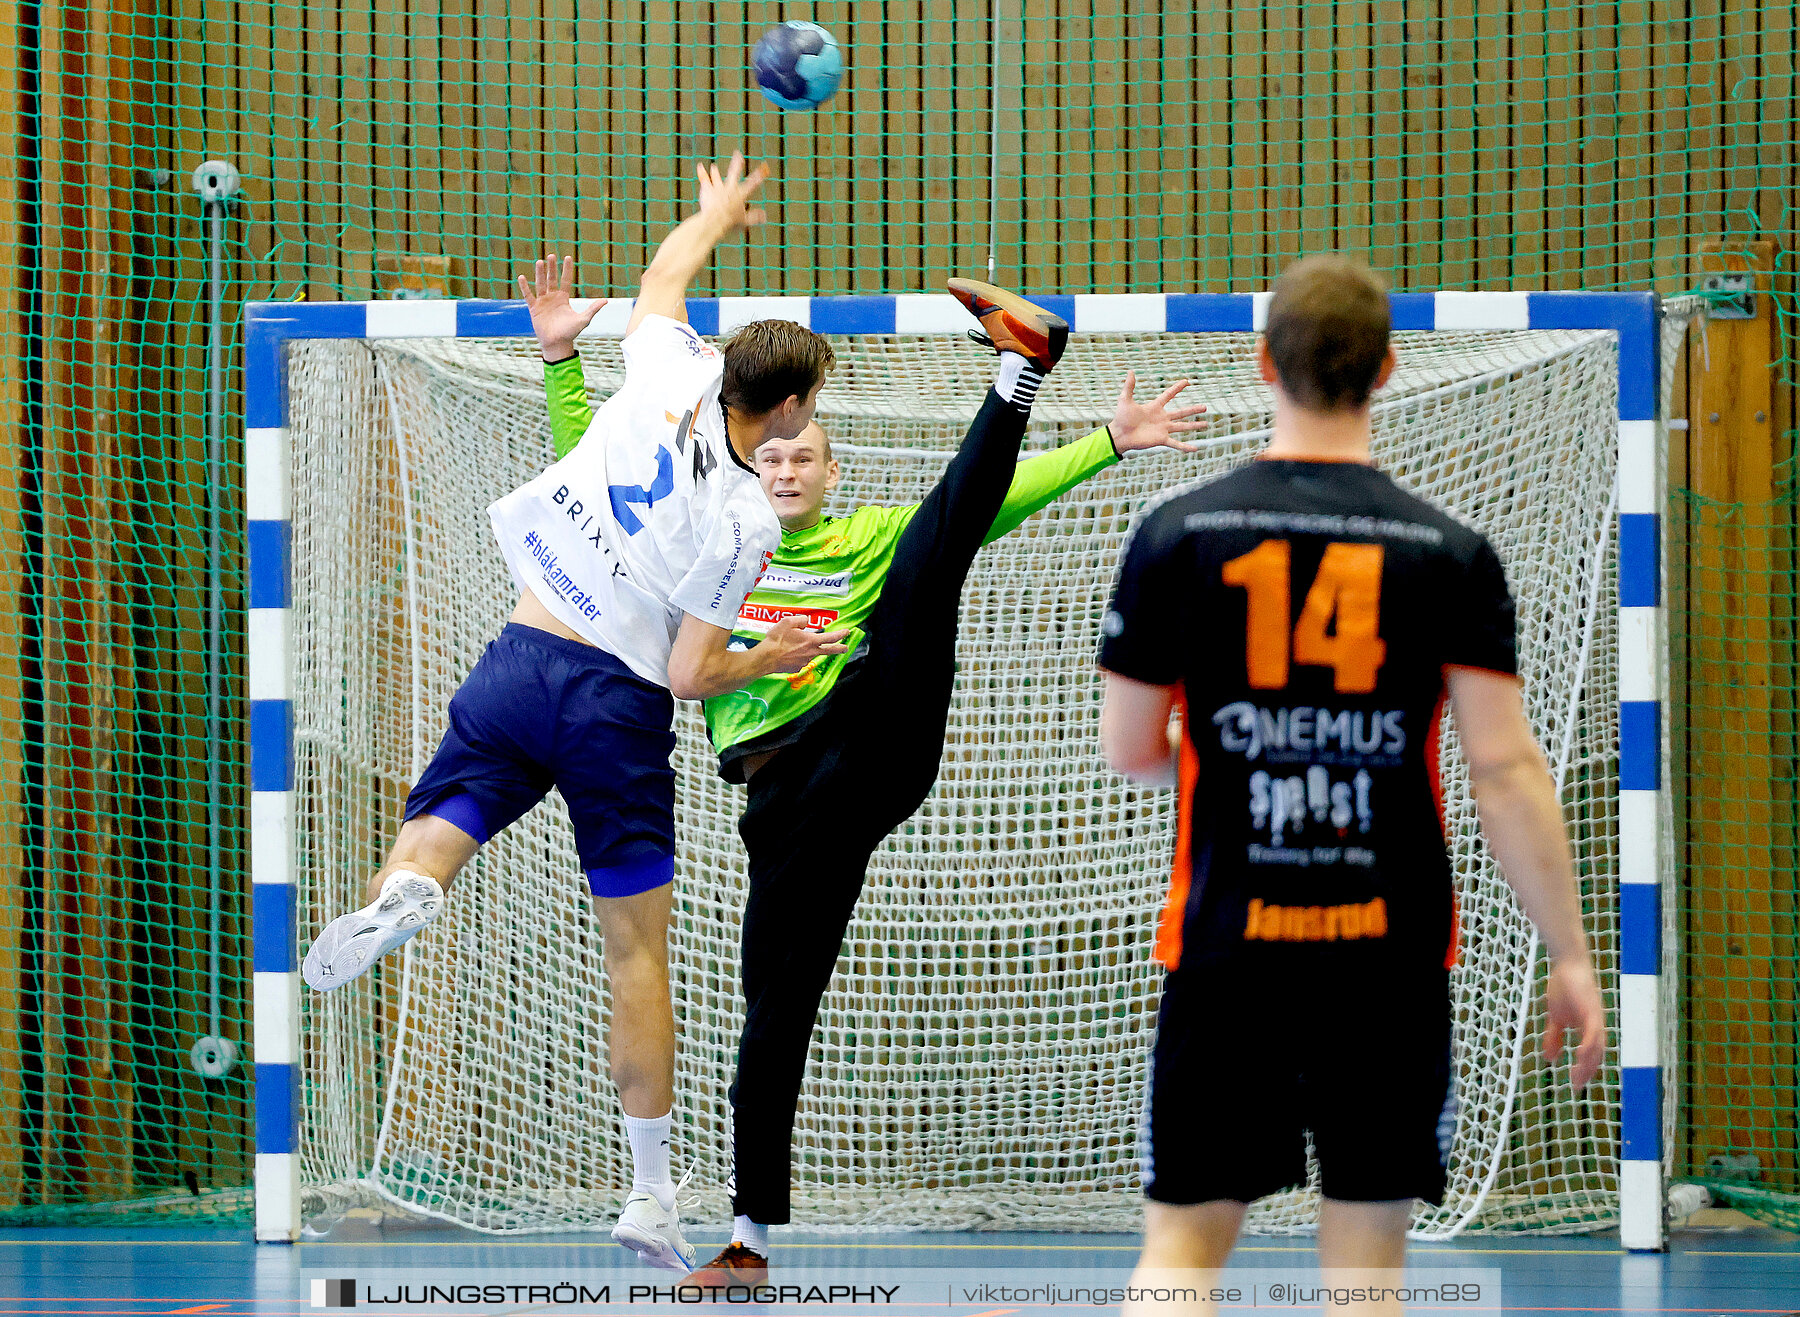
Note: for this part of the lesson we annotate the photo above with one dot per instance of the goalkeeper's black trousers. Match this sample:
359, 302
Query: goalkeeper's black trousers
821, 806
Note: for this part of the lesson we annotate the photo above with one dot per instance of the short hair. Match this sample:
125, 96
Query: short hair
769, 361
1327, 332
814, 425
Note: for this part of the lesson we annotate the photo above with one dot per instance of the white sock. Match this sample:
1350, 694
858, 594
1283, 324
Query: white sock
1018, 382
752, 1236
650, 1158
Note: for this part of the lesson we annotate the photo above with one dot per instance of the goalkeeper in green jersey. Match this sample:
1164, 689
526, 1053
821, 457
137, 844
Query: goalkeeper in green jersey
852, 743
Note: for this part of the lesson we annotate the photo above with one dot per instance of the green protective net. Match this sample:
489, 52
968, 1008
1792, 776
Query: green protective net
1738, 985
1106, 146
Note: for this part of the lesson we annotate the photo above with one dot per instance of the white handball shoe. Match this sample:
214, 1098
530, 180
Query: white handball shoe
350, 945
653, 1232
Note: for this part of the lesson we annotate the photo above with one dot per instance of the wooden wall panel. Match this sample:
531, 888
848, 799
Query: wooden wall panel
1315, 115
86, 1126
1198, 146
1209, 87
1285, 120
1458, 75
1633, 166
1739, 1006
1160, 143
1352, 117
1389, 252
1422, 165
279, 196
940, 147
1038, 264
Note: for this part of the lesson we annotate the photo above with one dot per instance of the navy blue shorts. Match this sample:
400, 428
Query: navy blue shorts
539, 711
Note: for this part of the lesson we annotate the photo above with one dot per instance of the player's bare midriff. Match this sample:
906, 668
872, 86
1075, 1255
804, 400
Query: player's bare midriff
532, 613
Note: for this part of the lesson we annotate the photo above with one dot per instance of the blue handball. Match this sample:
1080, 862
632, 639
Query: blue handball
797, 65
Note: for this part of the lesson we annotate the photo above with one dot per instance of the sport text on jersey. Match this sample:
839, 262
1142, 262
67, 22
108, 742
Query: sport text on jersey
696, 346
1314, 523
1311, 816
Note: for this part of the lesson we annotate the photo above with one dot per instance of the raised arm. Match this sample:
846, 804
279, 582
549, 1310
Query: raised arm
1523, 823
558, 323
724, 210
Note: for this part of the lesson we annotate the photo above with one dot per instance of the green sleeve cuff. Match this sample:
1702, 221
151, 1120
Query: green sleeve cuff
565, 388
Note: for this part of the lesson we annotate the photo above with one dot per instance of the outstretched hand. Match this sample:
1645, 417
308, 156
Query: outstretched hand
727, 199
554, 318
1151, 424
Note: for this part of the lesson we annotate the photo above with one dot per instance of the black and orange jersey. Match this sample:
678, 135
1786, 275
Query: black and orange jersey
1308, 611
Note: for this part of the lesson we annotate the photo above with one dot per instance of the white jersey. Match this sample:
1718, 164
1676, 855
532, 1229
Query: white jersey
652, 515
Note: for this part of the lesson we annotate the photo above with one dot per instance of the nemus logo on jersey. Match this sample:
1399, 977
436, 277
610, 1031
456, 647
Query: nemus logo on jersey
1253, 731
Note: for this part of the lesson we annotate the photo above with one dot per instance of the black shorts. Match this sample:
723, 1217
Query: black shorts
537, 711
1248, 1062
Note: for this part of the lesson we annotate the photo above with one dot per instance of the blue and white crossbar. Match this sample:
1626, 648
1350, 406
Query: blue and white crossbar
1643, 659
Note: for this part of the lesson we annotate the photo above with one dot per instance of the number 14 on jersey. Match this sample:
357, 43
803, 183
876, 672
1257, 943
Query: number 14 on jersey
1347, 588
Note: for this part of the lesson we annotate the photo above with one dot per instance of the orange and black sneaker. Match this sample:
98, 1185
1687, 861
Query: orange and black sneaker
735, 1265
1012, 324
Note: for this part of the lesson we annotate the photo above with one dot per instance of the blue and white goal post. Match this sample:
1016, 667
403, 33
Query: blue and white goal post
1643, 805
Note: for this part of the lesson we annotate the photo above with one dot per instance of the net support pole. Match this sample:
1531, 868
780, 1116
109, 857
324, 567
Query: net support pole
1644, 803
216, 183
274, 940
1644, 807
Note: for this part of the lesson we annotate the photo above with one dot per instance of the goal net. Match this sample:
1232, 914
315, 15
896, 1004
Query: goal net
980, 1056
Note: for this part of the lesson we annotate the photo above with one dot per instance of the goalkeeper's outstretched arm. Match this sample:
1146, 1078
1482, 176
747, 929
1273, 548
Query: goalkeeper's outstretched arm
1135, 427
724, 210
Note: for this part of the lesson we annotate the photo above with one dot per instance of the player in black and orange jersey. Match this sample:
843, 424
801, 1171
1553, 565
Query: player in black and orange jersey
1309, 618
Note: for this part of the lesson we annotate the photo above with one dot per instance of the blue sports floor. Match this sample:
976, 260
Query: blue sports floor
205, 1271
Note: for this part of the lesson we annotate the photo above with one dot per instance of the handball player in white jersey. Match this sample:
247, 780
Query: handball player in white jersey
644, 539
